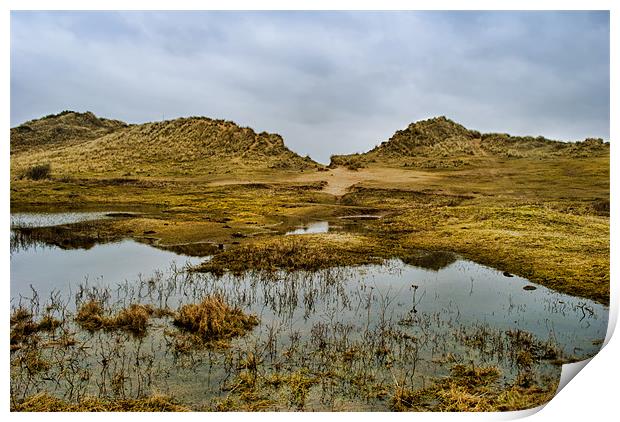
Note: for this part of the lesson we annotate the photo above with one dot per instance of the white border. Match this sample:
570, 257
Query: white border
310, 5
590, 396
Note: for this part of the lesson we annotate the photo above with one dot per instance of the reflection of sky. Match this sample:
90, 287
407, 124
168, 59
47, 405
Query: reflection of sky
318, 227
329, 82
53, 219
52, 268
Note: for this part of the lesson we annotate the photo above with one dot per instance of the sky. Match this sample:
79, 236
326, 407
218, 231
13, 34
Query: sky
328, 82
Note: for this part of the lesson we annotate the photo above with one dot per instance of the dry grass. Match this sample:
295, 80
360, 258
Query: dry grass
58, 130
252, 392
214, 320
135, 319
542, 220
45, 403
38, 172
529, 206
312, 253
92, 316
470, 389
440, 143
545, 221
569, 253
23, 326
181, 147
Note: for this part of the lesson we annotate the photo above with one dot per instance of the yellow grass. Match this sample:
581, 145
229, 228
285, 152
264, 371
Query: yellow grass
46, 403
213, 319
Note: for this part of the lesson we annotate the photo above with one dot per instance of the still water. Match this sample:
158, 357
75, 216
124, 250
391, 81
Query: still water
49, 268
311, 228
41, 219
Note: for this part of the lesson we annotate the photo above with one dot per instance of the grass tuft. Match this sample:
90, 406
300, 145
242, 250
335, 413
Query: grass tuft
213, 320
38, 172
23, 326
134, 319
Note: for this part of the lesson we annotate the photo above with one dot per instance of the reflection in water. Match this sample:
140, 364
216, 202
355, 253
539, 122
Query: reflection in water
33, 219
24, 238
312, 228
48, 267
432, 260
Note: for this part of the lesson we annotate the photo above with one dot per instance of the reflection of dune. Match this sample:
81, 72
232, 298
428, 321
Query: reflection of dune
430, 260
26, 237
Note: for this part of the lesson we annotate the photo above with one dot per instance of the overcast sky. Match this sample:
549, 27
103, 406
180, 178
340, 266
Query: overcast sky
328, 82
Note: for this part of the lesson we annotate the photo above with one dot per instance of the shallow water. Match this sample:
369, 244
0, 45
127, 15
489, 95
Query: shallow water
461, 294
312, 228
40, 219
438, 310
48, 268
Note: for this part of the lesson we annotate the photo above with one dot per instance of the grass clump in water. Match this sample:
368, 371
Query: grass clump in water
134, 319
90, 316
23, 326
214, 320
254, 391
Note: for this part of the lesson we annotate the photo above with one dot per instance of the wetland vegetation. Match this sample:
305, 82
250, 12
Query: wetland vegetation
445, 270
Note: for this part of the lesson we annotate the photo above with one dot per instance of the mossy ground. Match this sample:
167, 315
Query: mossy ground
290, 253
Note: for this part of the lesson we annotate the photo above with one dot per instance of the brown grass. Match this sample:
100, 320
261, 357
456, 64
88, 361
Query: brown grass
442, 143
61, 129
38, 172
45, 403
186, 146
252, 392
292, 253
471, 389
90, 316
213, 320
134, 319
23, 326
536, 208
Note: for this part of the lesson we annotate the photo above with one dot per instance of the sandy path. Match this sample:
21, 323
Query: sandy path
340, 179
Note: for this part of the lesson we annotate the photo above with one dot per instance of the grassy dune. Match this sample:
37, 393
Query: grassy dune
182, 147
